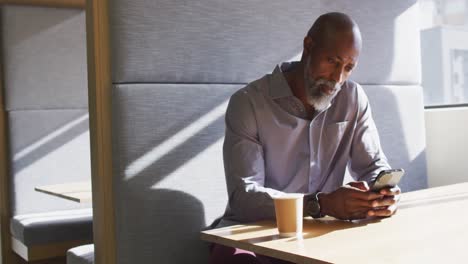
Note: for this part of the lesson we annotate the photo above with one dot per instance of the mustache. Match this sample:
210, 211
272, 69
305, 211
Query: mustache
328, 83
314, 86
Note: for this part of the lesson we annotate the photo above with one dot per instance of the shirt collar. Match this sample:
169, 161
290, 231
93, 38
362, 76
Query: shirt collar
279, 86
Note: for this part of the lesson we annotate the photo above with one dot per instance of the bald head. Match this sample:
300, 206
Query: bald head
330, 26
331, 52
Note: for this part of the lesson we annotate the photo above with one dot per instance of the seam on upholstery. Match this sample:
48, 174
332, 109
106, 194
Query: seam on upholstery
44, 109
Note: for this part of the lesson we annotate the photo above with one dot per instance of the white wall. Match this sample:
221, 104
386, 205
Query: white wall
447, 145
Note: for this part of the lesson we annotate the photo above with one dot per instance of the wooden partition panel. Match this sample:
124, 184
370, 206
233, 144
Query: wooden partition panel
7, 255
47, 3
100, 116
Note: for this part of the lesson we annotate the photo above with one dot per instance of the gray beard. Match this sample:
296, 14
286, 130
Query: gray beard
315, 97
320, 101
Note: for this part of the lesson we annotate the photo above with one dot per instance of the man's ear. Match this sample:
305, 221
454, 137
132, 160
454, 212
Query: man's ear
309, 44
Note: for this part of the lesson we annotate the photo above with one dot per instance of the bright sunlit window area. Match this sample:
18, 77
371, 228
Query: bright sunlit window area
444, 51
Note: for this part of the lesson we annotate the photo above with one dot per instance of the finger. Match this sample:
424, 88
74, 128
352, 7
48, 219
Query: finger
384, 202
391, 191
367, 196
374, 204
358, 216
357, 203
393, 208
395, 198
360, 207
381, 212
361, 185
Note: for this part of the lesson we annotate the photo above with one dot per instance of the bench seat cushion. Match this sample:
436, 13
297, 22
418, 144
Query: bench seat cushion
53, 227
81, 255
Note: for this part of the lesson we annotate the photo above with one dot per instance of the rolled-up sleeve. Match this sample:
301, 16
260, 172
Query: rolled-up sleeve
244, 163
367, 157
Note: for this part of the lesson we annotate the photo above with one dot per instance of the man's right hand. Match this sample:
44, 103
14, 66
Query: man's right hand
351, 201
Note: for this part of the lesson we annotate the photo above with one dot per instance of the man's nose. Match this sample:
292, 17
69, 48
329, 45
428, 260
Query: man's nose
338, 75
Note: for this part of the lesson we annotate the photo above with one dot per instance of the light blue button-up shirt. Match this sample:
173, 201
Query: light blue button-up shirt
271, 147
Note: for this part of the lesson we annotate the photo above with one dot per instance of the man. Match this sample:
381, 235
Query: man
297, 129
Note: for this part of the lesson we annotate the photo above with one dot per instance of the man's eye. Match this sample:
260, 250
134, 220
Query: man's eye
331, 60
349, 68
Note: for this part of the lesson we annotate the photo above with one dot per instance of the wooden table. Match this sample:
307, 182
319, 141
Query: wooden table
76, 191
431, 226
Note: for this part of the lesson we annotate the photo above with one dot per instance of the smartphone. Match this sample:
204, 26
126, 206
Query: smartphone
387, 178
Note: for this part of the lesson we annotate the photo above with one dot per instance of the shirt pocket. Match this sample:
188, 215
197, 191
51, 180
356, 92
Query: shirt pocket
336, 129
332, 135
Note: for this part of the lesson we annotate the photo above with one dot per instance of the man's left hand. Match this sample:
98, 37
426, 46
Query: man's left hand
388, 205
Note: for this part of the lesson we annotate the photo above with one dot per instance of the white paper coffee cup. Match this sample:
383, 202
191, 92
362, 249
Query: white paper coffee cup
289, 216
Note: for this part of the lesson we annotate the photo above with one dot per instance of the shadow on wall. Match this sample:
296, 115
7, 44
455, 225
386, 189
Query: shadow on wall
47, 19
180, 154
164, 225
165, 200
202, 106
45, 58
33, 141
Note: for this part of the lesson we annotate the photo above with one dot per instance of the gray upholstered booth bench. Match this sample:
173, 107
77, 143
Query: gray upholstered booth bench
46, 235
81, 255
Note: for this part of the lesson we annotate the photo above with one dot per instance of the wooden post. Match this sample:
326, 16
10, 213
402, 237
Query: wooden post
5, 209
100, 116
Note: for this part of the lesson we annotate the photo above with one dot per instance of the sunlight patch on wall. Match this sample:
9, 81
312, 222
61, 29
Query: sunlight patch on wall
62, 160
208, 170
68, 163
403, 50
176, 140
50, 137
412, 131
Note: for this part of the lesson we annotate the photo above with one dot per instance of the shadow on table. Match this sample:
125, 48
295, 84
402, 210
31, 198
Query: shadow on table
236, 231
240, 229
318, 227
256, 240
315, 228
